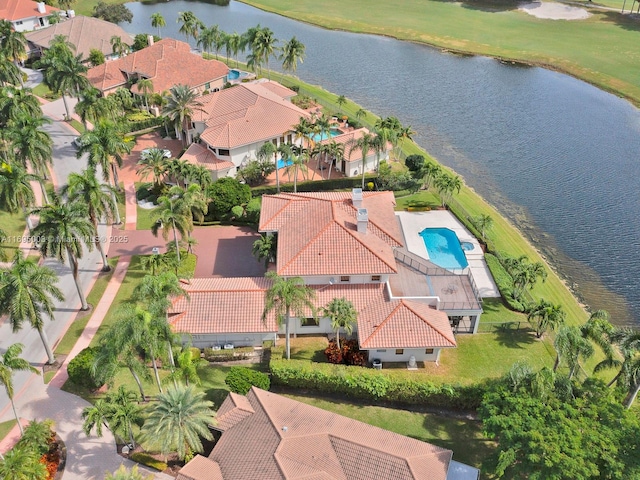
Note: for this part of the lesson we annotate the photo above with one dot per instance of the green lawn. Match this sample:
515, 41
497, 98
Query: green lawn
146, 218
42, 91
78, 126
5, 428
602, 50
85, 7
75, 330
13, 226
462, 436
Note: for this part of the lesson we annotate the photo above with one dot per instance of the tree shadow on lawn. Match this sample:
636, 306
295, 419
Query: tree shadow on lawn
217, 396
510, 337
626, 21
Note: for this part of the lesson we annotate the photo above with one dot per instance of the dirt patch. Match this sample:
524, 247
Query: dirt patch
554, 11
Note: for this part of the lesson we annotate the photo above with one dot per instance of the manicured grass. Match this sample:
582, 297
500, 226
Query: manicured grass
42, 91
424, 199
77, 327
308, 348
146, 218
13, 225
462, 436
46, 378
5, 428
85, 7
601, 49
77, 125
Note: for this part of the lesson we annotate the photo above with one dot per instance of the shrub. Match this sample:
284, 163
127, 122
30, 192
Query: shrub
504, 282
241, 379
315, 186
333, 353
148, 460
80, 369
225, 194
349, 353
414, 162
212, 355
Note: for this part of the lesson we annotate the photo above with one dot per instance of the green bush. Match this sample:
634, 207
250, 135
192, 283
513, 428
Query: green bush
149, 461
414, 162
241, 379
241, 353
370, 385
503, 281
80, 369
315, 186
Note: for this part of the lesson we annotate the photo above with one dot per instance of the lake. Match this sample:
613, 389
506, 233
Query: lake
555, 155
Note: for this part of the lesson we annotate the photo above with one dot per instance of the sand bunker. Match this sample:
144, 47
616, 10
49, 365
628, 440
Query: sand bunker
554, 11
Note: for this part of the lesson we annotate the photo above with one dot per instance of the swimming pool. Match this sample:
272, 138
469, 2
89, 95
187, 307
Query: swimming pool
284, 163
444, 248
318, 137
236, 74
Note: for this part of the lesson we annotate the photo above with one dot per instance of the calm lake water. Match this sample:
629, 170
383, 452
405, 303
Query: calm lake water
557, 156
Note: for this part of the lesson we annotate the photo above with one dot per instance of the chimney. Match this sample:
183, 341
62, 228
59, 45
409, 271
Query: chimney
356, 197
363, 219
150, 39
42, 8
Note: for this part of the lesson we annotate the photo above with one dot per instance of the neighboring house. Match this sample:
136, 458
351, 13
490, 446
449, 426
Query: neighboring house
167, 62
343, 245
235, 122
351, 163
265, 435
26, 15
86, 33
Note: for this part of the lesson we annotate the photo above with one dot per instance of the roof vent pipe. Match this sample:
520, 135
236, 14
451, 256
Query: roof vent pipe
356, 197
42, 8
363, 219
150, 39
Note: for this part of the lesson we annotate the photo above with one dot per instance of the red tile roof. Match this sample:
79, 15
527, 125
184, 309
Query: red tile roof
200, 468
196, 154
247, 113
233, 410
167, 63
13, 10
317, 233
85, 33
286, 439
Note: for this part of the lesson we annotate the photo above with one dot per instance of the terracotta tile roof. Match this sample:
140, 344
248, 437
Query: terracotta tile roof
286, 439
222, 305
247, 113
317, 233
13, 10
403, 324
196, 154
200, 468
167, 63
233, 410
85, 33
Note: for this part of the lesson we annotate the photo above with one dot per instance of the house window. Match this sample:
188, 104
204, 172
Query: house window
381, 351
19, 22
399, 351
375, 278
289, 138
193, 125
281, 139
429, 351
275, 141
223, 152
207, 85
308, 322
345, 278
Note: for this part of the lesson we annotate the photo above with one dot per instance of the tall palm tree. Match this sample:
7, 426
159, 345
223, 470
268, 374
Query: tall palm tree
483, 222
154, 163
265, 248
17, 103
124, 412
235, 45
118, 46
364, 144
431, 171
546, 316
288, 296
448, 184
303, 129
186, 368
84, 187
208, 38
16, 193
181, 106
10, 74
96, 416
192, 200
298, 163
11, 362
178, 420
63, 230
91, 106
14, 46
157, 21
266, 152
33, 145
336, 154
172, 218
190, 24
264, 46
106, 146
570, 346
145, 86
342, 314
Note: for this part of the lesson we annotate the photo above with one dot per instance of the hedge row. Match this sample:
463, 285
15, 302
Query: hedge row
134, 126
316, 186
503, 281
371, 385
149, 461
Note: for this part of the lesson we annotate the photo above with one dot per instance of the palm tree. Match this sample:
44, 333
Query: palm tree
14, 46
303, 129
446, 185
171, 217
91, 106
181, 106
27, 290
63, 229
15, 190
342, 314
157, 21
192, 201
154, 163
364, 144
10, 74
264, 46
157, 263
266, 151
600, 331
145, 86
11, 362
208, 37
85, 188
265, 248
190, 24
96, 416
157, 291
106, 146
124, 412
33, 145
288, 296
546, 316
361, 112
570, 345
341, 101
292, 53
178, 420
186, 368
17, 103
484, 222
21, 464
524, 274
431, 172
124, 474
118, 46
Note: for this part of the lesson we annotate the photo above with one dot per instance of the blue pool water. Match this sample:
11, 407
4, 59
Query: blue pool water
318, 137
233, 74
444, 248
284, 163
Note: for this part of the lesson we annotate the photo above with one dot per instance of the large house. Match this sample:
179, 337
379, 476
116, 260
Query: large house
166, 63
268, 436
343, 245
26, 15
234, 123
85, 33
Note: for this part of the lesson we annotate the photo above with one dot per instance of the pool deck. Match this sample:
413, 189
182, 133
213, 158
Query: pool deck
414, 222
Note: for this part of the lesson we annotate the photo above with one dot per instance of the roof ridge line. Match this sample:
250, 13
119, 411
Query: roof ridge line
375, 330
428, 323
353, 234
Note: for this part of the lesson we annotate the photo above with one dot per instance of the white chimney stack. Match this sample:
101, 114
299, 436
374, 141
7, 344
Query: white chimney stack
356, 197
42, 8
150, 39
363, 219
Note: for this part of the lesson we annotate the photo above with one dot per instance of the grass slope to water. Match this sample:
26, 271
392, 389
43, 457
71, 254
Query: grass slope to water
602, 49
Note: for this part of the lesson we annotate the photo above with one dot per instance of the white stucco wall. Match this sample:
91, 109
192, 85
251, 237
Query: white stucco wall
237, 339
390, 355
357, 279
353, 169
